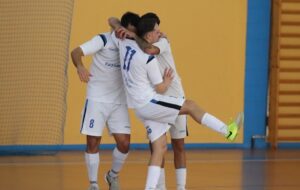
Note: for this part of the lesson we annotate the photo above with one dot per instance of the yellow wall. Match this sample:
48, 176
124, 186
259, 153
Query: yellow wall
208, 42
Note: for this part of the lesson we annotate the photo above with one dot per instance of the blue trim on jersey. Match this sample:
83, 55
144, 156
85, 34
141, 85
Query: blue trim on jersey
154, 101
151, 57
103, 38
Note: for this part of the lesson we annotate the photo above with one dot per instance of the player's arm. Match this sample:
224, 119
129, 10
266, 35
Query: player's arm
120, 31
82, 72
162, 87
160, 83
88, 48
114, 23
146, 47
153, 49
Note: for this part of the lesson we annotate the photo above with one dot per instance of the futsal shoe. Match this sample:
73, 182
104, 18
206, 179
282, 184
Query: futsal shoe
113, 182
234, 127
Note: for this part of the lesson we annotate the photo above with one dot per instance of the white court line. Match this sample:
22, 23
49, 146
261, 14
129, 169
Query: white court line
2, 164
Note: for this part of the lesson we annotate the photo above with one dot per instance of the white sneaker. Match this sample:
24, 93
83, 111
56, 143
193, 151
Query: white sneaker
113, 182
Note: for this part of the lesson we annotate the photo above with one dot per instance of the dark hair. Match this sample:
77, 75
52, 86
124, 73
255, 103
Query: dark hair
151, 15
145, 25
130, 18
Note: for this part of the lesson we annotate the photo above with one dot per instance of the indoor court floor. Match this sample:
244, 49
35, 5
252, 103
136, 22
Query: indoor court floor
208, 169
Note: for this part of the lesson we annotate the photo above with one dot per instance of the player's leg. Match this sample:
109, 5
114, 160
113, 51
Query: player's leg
159, 149
119, 155
92, 160
199, 115
92, 126
161, 184
156, 134
179, 163
119, 127
178, 132
165, 109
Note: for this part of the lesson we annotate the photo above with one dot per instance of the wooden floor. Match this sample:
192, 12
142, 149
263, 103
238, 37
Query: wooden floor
207, 170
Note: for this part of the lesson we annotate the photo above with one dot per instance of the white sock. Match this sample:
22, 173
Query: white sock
181, 178
92, 163
161, 185
152, 177
214, 123
118, 161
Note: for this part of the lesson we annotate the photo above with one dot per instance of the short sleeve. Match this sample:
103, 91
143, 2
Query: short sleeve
92, 46
162, 44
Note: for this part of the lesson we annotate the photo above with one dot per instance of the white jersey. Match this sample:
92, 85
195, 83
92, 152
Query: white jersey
105, 84
166, 60
140, 73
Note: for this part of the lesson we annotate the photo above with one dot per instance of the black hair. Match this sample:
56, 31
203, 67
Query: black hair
145, 25
151, 15
130, 18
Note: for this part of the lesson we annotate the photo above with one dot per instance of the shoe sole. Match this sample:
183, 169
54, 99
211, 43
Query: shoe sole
240, 120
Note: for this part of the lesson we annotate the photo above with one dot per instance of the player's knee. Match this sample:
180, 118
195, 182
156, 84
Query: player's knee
160, 150
188, 106
178, 145
92, 144
124, 147
92, 148
164, 148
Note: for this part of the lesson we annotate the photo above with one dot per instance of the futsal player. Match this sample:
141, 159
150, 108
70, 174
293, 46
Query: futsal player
105, 103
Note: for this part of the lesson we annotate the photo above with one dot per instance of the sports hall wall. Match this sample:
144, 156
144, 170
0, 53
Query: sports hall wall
208, 39
221, 50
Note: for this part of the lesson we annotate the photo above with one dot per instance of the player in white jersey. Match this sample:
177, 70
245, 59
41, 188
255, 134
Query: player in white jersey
178, 132
143, 82
105, 104
163, 53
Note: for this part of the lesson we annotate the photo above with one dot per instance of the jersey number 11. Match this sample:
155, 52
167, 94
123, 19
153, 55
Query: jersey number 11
129, 54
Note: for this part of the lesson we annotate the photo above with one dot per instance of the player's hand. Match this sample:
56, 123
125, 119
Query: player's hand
83, 73
168, 76
121, 33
